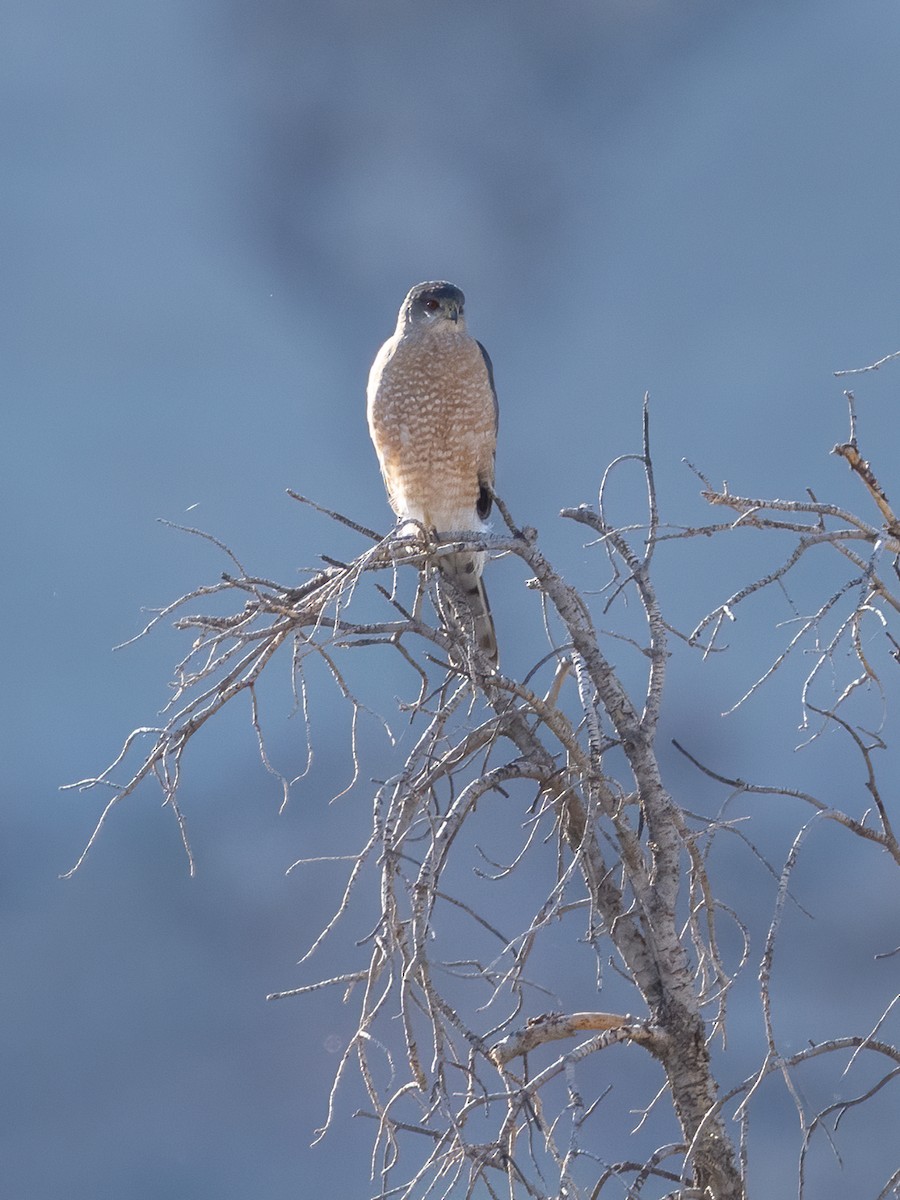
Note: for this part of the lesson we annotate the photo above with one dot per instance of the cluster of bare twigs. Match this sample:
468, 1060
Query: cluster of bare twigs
867, 596
478, 1087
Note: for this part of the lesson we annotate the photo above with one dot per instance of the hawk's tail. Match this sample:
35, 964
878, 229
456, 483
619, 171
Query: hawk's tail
464, 570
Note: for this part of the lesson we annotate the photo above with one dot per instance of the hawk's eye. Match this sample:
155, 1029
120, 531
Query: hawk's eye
431, 304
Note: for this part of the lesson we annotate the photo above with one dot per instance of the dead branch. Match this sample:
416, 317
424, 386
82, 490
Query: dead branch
551, 1027
443, 991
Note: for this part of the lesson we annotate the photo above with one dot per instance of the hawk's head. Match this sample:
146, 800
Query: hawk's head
432, 304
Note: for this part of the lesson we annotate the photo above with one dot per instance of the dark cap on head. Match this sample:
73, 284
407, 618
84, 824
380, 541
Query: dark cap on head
434, 298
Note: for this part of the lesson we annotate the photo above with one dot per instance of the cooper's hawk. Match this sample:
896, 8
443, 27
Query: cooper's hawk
433, 418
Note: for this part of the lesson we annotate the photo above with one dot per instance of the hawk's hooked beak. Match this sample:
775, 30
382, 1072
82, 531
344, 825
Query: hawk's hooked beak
453, 314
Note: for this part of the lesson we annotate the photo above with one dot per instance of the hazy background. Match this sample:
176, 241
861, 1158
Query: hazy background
210, 214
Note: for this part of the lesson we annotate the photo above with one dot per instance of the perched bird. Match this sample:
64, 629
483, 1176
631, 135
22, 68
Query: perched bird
432, 412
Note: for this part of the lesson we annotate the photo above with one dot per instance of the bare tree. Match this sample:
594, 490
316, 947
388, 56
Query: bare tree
477, 1071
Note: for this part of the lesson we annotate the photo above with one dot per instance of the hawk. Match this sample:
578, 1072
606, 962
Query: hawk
432, 412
